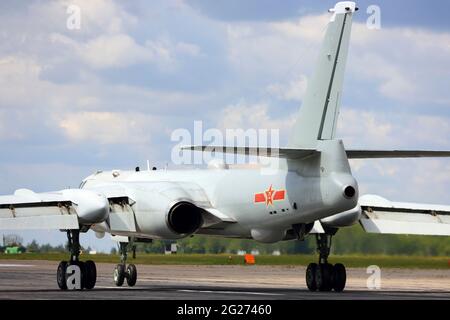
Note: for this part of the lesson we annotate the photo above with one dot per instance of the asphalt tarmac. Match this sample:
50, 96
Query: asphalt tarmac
37, 280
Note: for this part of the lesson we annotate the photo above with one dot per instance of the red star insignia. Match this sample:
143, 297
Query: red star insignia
269, 196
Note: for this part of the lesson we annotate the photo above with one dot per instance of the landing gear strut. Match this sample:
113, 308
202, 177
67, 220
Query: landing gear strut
122, 272
88, 270
325, 276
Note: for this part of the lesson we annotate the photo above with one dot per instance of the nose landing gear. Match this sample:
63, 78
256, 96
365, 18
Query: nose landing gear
122, 272
325, 276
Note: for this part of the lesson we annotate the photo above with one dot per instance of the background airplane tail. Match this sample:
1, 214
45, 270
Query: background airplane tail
318, 115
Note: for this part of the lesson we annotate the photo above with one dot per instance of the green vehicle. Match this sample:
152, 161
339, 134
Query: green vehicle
14, 250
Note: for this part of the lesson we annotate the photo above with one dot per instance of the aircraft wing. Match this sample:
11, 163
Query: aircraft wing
380, 215
63, 210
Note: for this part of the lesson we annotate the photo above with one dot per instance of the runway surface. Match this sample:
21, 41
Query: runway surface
37, 280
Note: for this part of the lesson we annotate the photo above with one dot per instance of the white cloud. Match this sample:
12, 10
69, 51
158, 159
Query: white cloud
189, 49
421, 180
21, 86
272, 51
120, 50
404, 64
393, 130
253, 116
15, 79
293, 91
364, 128
108, 127
306, 28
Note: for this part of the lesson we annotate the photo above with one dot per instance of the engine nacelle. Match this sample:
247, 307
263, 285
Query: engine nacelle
91, 207
343, 219
184, 218
165, 211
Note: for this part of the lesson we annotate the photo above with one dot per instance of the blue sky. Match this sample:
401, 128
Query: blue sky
110, 94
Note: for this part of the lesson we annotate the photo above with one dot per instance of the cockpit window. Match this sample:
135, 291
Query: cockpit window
82, 184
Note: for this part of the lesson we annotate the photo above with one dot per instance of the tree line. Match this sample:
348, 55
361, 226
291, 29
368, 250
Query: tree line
352, 240
35, 247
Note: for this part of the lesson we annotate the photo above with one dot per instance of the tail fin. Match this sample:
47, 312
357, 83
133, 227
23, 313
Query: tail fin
318, 115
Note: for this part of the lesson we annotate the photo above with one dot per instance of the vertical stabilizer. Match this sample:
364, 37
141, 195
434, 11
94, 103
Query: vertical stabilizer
319, 112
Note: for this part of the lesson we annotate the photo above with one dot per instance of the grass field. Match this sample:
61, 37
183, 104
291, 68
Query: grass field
225, 259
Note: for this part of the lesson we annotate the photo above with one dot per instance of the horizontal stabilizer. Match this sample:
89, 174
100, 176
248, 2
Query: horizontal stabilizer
383, 216
374, 154
256, 151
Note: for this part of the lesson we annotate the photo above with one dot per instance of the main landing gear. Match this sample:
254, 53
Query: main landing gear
325, 276
122, 272
87, 270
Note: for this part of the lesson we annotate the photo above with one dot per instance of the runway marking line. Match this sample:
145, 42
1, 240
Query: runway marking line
16, 265
232, 292
212, 291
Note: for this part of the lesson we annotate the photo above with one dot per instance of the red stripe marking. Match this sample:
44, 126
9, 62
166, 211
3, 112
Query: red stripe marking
260, 197
279, 195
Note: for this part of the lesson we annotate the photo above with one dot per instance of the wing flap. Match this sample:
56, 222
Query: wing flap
380, 215
389, 224
61, 222
19, 210
24, 211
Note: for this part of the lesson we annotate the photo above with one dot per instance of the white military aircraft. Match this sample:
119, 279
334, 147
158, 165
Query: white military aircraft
312, 192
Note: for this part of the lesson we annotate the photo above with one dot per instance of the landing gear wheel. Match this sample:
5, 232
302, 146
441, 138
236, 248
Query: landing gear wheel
61, 275
131, 275
324, 277
119, 275
339, 277
89, 274
311, 277
88, 270
82, 267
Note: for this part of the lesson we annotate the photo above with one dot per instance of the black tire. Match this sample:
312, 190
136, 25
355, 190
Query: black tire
82, 267
90, 275
61, 277
119, 275
339, 277
324, 277
131, 275
329, 268
311, 277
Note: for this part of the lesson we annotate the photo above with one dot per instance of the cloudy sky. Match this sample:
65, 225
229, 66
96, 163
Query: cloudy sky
109, 95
